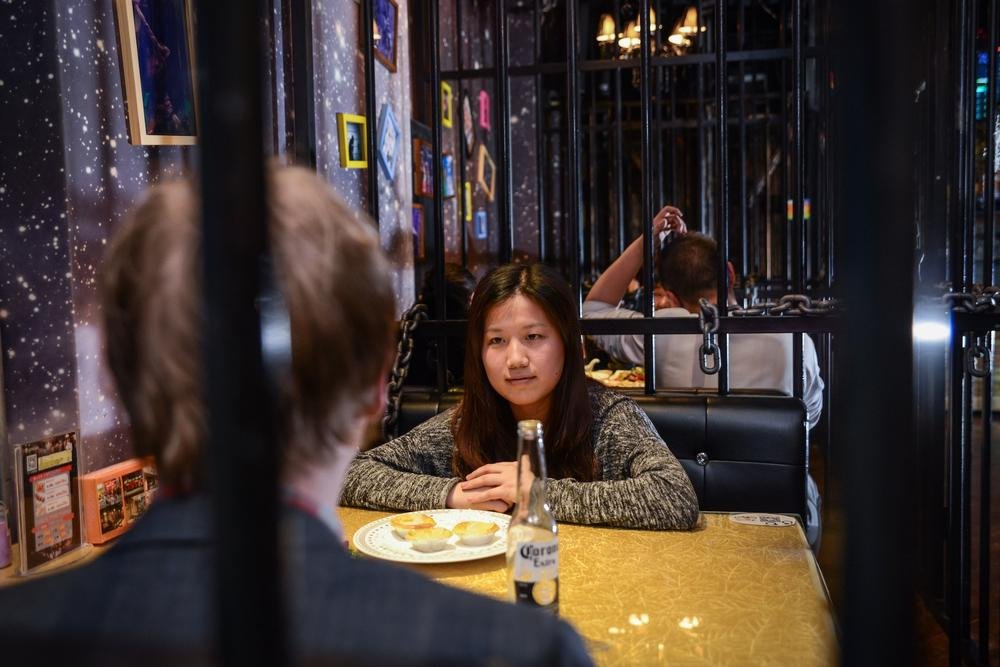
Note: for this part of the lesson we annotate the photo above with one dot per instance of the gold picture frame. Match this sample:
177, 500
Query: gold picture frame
158, 71
486, 172
447, 97
352, 137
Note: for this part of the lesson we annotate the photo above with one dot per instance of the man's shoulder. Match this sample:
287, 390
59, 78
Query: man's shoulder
372, 604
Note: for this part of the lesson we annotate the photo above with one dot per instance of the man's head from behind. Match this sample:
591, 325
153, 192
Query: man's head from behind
688, 269
336, 285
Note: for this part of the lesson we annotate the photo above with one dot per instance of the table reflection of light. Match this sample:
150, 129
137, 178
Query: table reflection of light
689, 623
638, 619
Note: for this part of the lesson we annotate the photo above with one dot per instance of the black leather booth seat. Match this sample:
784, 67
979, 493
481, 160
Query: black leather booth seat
743, 452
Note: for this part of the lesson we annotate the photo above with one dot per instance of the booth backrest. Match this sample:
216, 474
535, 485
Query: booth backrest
743, 452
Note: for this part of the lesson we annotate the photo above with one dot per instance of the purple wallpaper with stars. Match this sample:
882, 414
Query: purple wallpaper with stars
69, 176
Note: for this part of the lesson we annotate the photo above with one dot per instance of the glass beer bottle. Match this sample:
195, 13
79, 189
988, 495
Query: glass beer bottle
533, 537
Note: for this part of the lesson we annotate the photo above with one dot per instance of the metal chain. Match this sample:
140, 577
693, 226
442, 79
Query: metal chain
979, 352
401, 367
790, 304
979, 300
709, 318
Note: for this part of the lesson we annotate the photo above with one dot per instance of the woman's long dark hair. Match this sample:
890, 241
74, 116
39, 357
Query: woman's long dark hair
484, 426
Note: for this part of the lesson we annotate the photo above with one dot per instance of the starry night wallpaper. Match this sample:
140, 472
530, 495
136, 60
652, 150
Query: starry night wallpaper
69, 177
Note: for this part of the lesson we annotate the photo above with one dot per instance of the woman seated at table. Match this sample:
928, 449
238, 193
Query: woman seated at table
606, 462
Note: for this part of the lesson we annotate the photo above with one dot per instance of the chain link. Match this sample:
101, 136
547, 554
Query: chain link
980, 300
789, 304
401, 367
709, 355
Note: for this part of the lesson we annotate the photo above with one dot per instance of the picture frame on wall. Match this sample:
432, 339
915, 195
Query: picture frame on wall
389, 139
157, 64
419, 230
447, 96
468, 127
448, 175
352, 137
467, 191
484, 110
480, 225
385, 21
423, 168
486, 172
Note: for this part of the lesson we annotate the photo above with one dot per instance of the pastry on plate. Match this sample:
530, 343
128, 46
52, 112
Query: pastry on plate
428, 539
414, 520
475, 533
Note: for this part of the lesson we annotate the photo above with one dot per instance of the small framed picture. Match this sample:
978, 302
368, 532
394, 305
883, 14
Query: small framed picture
448, 175
484, 110
389, 136
468, 129
446, 99
467, 190
486, 173
352, 134
385, 15
156, 48
423, 168
419, 224
480, 225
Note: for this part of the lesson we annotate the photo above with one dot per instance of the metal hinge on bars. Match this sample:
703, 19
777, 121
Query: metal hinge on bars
401, 367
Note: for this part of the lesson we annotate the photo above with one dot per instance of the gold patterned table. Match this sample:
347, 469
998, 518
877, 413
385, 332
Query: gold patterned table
721, 594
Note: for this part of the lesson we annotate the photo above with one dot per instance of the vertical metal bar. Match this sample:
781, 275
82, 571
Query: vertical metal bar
968, 153
439, 254
875, 95
722, 182
797, 366
991, 120
619, 149
744, 214
372, 171
301, 75
460, 115
540, 162
956, 507
574, 203
798, 223
674, 133
787, 192
242, 451
985, 505
646, 208
504, 200
702, 193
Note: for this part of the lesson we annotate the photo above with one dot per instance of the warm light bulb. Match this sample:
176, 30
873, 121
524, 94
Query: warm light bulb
607, 30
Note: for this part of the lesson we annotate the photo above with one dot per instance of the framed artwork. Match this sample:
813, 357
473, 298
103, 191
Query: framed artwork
389, 136
448, 175
419, 225
446, 99
484, 110
479, 227
156, 49
486, 173
468, 131
467, 189
423, 168
385, 19
352, 135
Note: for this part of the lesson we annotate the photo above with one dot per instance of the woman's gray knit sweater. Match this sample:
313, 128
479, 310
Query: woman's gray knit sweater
642, 485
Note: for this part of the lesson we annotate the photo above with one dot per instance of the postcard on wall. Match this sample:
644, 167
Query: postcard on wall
157, 65
47, 499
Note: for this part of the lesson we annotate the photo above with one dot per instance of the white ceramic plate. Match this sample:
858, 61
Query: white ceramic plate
377, 539
759, 519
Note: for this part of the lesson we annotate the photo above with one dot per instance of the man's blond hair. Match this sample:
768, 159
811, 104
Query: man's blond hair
337, 287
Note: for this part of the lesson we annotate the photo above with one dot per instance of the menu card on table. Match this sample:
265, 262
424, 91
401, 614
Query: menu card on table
48, 500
